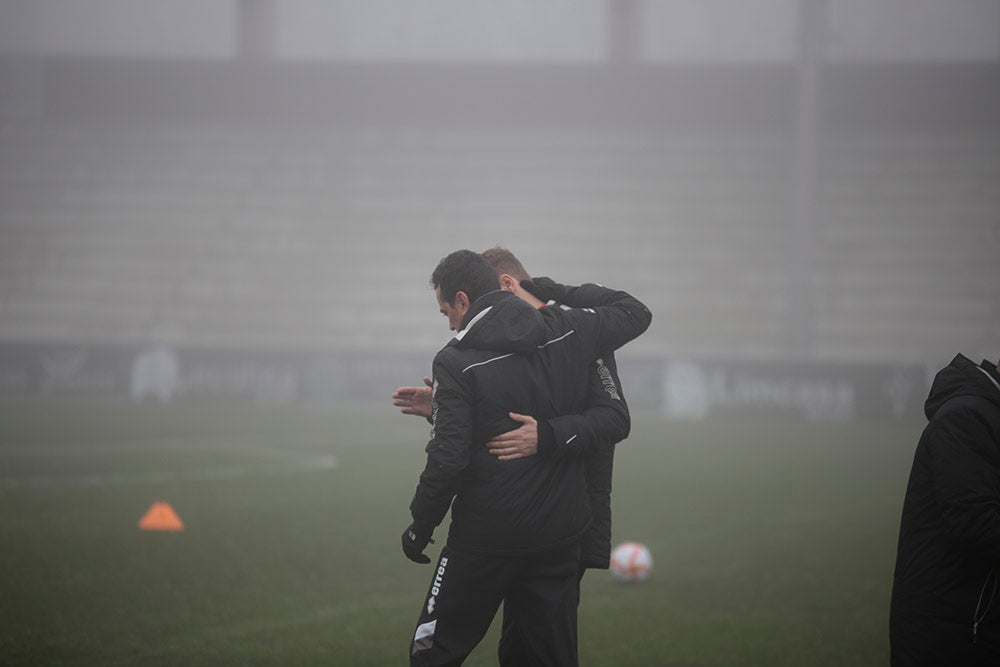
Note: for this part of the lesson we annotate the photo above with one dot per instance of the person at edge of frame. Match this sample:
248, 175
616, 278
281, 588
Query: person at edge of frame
516, 525
945, 606
604, 423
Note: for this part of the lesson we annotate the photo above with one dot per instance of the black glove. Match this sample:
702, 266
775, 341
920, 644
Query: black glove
546, 289
415, 539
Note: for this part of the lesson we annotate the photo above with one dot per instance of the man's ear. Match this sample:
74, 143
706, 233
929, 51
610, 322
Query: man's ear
462, 301
509, 283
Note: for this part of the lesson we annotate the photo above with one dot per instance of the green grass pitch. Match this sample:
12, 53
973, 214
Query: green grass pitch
773, 542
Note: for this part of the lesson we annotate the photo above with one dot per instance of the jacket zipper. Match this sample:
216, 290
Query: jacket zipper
977, 617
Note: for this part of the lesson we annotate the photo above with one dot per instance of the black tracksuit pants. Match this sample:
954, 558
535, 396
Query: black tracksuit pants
540, 591
512, 651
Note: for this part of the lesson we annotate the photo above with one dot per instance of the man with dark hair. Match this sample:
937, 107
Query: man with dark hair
945, 607
603, 423
515, 525
461, 271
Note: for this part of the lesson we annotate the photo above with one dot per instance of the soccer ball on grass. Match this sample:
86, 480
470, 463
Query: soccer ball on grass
631, 561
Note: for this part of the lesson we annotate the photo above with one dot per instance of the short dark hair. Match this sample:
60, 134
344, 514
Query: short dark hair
466, 271
504, 261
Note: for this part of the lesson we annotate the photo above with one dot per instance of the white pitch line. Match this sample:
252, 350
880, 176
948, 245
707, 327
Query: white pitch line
277, 462
135, 445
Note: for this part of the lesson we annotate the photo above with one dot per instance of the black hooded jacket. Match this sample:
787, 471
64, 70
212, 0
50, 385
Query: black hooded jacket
945, 606
604, 424
510, 357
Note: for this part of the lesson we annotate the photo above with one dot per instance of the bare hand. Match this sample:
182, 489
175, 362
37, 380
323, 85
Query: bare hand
414, 400
516, 444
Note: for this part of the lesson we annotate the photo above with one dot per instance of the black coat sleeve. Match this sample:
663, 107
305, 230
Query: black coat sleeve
603, 423
448, 451
966, 485
621, 317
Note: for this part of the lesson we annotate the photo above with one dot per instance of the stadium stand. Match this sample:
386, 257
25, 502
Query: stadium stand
319, 237
908, 244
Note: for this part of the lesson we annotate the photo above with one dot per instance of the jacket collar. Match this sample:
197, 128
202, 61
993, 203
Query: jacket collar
962, 377
479, 308
502, 322
989, 375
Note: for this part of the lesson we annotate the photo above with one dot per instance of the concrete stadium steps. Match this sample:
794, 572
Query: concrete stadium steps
908, 244
266, 236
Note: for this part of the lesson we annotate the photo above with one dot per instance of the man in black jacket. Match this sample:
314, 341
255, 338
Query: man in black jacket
516, 524
945, 607
604, 422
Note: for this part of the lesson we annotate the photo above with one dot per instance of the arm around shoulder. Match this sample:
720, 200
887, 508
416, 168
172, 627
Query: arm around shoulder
621, 316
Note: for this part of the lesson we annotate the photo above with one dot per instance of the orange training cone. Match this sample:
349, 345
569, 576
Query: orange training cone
161, 516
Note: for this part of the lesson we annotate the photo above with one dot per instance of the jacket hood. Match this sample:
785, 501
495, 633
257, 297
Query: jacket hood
962, 378
501, 321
